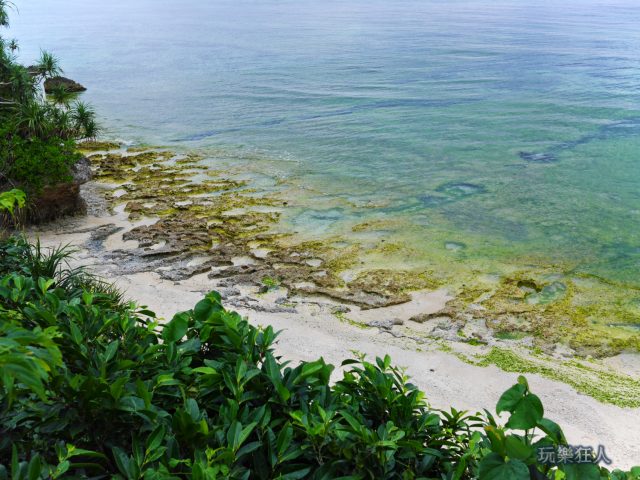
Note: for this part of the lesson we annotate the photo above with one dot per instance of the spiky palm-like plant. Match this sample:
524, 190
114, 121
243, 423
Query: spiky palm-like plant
5, 5
90, 129
61, 96
48, 65
82, 113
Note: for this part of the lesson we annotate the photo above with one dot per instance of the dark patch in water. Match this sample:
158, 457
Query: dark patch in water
624, 128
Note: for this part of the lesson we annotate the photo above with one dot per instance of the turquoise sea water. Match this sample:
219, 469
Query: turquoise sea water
485, 132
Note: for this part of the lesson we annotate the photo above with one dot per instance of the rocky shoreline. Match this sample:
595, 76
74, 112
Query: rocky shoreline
453, 368
176, 218
202, 220
224, 227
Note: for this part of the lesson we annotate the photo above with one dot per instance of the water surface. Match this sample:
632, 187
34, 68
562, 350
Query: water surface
484, 134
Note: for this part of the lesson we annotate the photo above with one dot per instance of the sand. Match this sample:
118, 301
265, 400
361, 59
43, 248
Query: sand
311, 329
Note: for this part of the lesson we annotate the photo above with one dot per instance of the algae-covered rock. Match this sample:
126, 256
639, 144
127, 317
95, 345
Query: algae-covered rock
95, 145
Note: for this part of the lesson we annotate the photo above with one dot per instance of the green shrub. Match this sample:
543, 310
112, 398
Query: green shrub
32, 162
92, 388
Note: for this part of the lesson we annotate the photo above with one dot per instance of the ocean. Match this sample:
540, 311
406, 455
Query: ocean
479, 138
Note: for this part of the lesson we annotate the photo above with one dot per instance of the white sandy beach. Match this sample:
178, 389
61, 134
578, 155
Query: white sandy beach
312, 330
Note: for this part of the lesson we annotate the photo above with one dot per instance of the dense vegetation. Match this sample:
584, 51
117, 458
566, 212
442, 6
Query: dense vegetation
94, 387
37, 134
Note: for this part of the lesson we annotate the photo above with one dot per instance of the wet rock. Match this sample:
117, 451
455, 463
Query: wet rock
159, 253
224, 227
272, 309
447, 312
392, 282
182, 273
364, 300
101, 233
134, 207
93, 145
340, 309
283, 300
528, 286
81, 171
381, 324
69, 85
229, 292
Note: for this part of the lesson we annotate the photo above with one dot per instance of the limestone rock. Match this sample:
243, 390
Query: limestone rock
69, 85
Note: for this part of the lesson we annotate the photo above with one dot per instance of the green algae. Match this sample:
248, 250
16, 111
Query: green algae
92, 145
343, 318
394, 281
606, 387
563, 311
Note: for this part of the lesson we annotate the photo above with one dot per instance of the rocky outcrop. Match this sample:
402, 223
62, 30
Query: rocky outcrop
82, 171
69, 85
63, 199
54, 201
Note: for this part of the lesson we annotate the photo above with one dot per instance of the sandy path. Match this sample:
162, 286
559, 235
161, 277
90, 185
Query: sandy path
313, 331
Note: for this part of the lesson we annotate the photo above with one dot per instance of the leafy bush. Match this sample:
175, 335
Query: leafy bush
92, 388
37, 135
34, 163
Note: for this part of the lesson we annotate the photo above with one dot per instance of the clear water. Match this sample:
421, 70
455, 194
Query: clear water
483, 132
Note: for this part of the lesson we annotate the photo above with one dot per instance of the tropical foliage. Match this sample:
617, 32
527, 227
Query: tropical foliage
9, 201
94, 387
37, 134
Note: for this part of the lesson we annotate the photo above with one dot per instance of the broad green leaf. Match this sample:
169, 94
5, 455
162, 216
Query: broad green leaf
35, 466
527, 413
208, 306
111, 350
233, 434
497, 438
176, 328
581, 471
510, 399
123, 462
276, 377
517, 448
494, 467
553, 430
284, 439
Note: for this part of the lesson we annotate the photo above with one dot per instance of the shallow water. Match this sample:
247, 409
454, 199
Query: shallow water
484, 134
